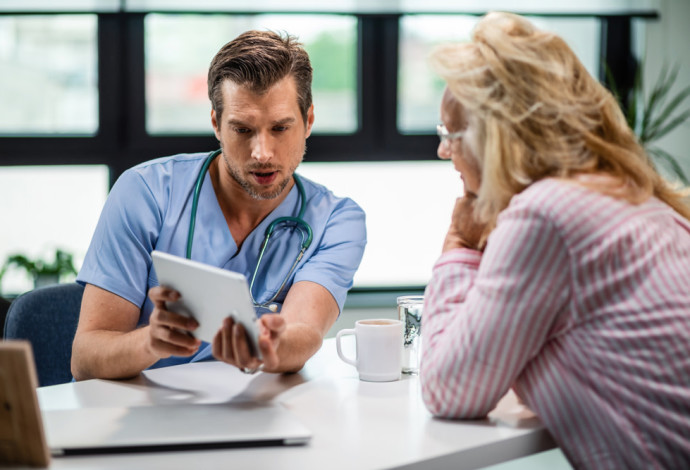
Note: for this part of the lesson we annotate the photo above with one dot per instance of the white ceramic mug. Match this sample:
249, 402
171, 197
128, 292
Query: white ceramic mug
379, 346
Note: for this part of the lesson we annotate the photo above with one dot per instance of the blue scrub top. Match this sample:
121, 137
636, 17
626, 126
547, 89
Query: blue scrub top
149, 208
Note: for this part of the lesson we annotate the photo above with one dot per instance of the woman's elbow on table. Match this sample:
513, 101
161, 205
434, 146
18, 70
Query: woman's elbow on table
449, 399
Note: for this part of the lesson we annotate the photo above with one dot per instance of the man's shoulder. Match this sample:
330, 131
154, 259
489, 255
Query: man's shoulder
163, 171
170, 163
317, 192
311, 186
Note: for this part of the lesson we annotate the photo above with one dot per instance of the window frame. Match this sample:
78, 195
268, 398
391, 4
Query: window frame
122, 141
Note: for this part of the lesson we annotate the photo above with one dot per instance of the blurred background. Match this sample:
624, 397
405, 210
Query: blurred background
89, 88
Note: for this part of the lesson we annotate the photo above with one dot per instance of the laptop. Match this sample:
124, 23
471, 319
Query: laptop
29, 435
171, 427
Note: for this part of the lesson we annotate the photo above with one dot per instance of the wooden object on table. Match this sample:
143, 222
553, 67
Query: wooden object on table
22, 440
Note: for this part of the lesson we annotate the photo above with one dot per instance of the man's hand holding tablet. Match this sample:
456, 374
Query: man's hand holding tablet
197, 302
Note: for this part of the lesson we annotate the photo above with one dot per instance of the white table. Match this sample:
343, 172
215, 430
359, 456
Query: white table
355, 424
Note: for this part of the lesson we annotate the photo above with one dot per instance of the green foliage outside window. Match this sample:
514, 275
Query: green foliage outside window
40, 269
333, 54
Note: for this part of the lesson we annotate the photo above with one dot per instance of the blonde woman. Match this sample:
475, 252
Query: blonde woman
565, 273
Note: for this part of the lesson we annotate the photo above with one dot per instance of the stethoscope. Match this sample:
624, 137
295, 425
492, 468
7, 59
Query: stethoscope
303, 228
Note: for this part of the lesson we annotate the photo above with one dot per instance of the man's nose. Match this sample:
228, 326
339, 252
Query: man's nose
262, 147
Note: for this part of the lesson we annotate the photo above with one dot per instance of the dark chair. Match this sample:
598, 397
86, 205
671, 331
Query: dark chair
4, 307
48, 318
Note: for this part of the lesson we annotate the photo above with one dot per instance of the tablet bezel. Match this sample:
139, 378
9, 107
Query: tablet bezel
208, 294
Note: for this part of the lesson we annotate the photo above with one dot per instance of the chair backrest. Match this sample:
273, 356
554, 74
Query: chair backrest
4, 307
48, 318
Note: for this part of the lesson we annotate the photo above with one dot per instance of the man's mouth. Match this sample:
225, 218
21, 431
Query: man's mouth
264, 177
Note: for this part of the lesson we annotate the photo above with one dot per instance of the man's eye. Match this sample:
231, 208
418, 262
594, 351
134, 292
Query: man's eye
280, 128
242, 130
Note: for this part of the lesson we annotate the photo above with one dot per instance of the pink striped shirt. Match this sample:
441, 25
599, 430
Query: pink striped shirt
581, 302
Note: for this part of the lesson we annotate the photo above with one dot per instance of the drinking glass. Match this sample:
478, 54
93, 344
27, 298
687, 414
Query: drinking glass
410, 313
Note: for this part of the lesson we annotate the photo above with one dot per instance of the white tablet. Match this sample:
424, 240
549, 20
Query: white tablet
209, 295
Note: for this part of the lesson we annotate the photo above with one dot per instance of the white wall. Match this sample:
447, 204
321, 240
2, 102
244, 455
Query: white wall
667, 40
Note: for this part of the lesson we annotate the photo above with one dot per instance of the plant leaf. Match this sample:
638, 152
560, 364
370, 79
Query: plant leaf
657, 98
63, 264
657, 133
665, 114
22, 261
671, 162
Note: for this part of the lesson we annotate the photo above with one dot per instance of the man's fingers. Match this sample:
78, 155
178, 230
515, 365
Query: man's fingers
272, 327
173, 336
273, 323
165, 342
177, 337
217, 345
165, 349
227, 349
173, 320
269, 353
241, 348
162, 294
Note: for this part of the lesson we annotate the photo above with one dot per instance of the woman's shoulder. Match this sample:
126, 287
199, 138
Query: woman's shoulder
567, 203
581, 206
553, 194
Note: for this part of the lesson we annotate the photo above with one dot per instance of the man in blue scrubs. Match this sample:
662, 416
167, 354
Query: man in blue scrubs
262, 113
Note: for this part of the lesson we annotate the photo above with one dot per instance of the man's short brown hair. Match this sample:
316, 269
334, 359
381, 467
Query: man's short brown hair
259, 60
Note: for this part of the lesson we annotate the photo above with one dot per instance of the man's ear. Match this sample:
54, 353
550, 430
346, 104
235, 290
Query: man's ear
310, 119
215, 124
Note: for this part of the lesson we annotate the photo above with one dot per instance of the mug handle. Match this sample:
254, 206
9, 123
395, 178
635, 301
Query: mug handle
339, 348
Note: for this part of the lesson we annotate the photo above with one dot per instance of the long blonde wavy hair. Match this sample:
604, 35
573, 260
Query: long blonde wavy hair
535, 112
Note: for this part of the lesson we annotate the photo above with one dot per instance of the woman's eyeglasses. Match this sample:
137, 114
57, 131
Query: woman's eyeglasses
446, 137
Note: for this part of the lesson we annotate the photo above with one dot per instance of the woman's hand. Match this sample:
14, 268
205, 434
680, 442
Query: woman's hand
465, 231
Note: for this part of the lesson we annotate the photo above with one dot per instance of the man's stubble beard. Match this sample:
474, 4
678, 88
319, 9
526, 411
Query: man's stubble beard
236, 174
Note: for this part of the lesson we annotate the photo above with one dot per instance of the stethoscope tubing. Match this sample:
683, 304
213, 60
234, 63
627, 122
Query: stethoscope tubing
298, 221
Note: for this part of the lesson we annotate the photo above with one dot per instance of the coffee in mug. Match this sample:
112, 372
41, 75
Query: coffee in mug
379, 344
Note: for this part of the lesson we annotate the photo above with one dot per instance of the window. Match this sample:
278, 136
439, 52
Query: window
420, 90
49, 79
408, 207
179, 49
376, 104
52, 207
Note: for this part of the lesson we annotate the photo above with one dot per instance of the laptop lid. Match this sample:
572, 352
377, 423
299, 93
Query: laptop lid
171, 427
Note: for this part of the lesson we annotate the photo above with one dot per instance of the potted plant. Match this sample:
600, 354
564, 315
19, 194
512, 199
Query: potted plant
43, 272
655, 115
